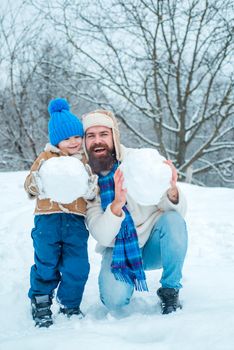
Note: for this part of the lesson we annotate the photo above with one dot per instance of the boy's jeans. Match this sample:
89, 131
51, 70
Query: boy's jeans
166, 248
61, 257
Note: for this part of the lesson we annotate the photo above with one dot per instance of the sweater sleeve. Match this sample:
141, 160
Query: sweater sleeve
103, 225
181, 207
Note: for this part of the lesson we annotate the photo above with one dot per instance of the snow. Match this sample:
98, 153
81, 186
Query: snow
147, 184
63, 179
205, 322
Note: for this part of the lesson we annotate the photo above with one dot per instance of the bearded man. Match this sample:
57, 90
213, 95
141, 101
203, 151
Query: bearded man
132, 238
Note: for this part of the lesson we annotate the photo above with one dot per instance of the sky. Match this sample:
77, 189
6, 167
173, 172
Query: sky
205, 322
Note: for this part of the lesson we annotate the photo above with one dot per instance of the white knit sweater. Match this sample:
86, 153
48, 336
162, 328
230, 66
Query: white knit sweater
104, 225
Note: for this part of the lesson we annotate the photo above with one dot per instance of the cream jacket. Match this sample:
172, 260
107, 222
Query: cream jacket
47, 206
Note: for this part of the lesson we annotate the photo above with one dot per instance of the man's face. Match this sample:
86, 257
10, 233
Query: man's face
99, 140
100, 147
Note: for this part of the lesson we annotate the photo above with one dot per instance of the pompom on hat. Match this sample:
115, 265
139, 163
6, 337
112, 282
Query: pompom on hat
102, 117
62, 124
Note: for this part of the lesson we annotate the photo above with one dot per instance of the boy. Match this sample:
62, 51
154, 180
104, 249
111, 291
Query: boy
60, 235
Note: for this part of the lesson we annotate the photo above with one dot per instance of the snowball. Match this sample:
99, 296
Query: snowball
64, 179
146, 176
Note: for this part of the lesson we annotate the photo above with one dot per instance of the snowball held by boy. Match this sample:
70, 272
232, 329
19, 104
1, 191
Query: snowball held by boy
64, 179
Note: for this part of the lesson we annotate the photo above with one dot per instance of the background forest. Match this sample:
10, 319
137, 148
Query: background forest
165, 68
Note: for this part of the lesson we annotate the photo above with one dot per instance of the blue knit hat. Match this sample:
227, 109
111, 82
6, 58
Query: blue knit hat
62, 124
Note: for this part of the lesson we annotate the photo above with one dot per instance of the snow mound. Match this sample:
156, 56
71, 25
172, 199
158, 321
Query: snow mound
146, 176
64, 179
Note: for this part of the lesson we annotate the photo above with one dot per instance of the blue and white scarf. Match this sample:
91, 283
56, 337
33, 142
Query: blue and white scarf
127, 260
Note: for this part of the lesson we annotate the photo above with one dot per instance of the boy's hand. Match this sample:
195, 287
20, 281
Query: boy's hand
92, 188
37, 183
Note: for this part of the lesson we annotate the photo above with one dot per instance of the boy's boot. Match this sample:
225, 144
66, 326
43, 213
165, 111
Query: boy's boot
169, 300
71, 311
41, 312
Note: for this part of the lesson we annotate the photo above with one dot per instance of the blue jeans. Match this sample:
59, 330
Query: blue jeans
166, 248
61, 257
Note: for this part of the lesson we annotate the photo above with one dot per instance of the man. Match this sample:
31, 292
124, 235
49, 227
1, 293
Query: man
132, 237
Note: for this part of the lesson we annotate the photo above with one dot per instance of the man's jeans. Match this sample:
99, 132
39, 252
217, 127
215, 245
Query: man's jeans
166, 248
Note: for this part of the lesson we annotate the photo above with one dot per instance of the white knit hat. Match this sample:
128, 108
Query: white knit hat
106, 118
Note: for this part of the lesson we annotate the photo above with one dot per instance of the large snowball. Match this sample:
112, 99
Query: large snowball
64, 179
146, 176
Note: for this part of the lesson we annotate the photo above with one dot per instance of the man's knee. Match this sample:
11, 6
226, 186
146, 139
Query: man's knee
115, 302
114, 294
172, 220
173, 226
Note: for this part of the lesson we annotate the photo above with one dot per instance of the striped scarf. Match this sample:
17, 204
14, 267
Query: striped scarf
126, 261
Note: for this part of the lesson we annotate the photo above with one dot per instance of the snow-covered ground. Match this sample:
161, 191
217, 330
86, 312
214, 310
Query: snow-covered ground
205, 323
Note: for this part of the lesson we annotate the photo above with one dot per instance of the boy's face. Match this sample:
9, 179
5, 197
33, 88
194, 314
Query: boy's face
71, 146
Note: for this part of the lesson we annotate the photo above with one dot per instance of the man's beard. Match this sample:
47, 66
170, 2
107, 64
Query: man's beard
101, 163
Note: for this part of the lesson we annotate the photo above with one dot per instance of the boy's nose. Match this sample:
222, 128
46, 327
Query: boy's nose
73, 139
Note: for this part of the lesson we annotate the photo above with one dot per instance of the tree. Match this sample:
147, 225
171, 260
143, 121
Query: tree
36, 68
166, 69
18, 39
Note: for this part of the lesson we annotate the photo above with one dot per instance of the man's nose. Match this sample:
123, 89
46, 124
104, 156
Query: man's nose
97, 139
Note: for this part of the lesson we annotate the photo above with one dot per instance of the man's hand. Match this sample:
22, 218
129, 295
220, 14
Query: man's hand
120, 194
173, 193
